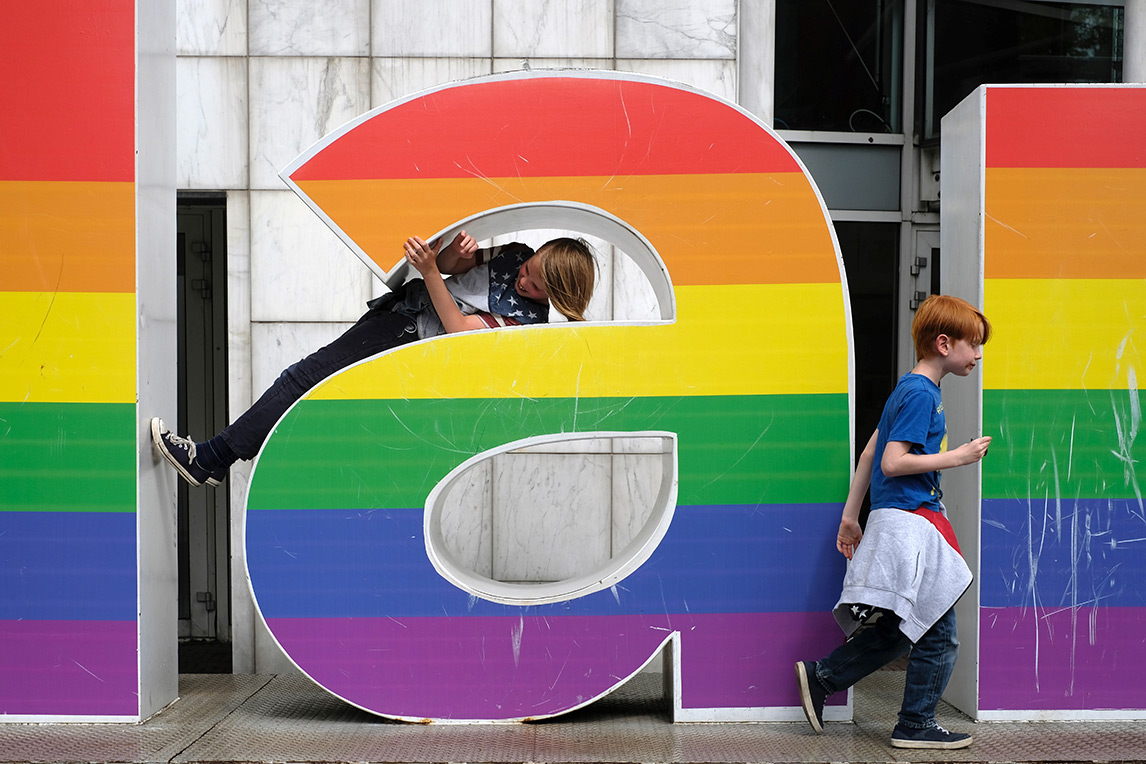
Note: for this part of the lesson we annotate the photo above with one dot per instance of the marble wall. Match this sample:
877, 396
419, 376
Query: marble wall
260, 80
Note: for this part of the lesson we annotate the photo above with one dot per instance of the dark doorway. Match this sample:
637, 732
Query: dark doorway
204, 513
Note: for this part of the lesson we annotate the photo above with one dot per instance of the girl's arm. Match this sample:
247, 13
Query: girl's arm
898, 460
424, 259
458, 255
850, 533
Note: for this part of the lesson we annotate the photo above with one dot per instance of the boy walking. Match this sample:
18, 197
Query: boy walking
902, 582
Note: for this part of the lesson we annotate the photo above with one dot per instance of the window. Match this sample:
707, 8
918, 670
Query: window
839, 65
968, 43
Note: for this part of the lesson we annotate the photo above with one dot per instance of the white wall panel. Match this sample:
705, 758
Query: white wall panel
296, 101
676, 28
279, 344
460, 28
300, 271
211, 122
393, 78
715, 76
571, 28
211, 27
307, 28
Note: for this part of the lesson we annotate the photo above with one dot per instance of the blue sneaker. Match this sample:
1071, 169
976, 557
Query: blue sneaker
812, 695
928, 737
180, 454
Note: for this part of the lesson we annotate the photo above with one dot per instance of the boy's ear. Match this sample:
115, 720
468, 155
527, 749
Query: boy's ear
943, 345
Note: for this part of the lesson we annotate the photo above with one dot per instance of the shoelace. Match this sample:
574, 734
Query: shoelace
186, 444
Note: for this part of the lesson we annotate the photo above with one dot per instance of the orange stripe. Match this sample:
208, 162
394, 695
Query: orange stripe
763, 228
58, 236
1065, 223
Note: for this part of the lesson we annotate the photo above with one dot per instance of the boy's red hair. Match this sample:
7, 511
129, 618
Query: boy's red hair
944, 314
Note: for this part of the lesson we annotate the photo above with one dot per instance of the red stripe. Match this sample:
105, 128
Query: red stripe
1066, 127
551, 126
68, 90
941, 523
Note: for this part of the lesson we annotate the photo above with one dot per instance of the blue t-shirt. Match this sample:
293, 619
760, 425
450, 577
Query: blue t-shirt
913, 414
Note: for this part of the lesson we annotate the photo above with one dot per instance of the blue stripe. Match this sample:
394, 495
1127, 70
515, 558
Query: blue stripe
726, 559
67, 566
1063, 553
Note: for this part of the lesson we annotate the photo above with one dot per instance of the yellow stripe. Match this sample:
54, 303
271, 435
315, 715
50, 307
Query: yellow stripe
1064, 334
1065, 223
728, 340
67, 347
62, 236
761, 227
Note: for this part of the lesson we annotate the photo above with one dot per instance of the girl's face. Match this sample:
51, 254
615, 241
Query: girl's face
528, 283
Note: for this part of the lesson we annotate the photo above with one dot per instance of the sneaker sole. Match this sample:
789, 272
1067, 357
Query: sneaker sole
895, 743
806, 697
157, 443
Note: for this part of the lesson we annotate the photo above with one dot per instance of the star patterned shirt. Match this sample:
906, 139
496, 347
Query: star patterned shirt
487, 290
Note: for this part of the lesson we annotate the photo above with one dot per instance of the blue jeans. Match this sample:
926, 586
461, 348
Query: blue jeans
379, 329
874, 645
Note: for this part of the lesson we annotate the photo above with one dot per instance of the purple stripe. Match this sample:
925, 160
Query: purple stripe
532, 666
1062, 659
68, 668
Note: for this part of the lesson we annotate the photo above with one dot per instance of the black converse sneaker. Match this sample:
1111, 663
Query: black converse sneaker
180, 453
812, 695
928, 737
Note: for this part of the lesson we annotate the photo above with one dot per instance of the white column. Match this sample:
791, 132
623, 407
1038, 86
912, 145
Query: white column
1134, 48
756, 57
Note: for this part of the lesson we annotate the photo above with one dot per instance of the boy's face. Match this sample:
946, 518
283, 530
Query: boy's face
528, 283
962, 356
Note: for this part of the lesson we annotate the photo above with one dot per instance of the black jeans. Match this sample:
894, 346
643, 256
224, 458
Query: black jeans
379, 329
872, 646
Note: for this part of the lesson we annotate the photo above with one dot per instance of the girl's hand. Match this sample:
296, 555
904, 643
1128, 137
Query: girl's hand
423, 256
462, 247
848, 537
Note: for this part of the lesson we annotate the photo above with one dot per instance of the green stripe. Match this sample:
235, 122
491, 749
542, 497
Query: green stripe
1063, 443
391, 453
67, 457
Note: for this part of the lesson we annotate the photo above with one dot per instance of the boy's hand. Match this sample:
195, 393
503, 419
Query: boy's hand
848, 537
423, 256
463, 246
974, 450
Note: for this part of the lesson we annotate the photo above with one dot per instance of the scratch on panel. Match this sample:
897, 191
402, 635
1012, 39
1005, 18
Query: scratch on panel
1012, 229
515, 639
86, 669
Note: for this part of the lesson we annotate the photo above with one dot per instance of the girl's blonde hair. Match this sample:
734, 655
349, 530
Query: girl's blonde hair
568, 271
944, 314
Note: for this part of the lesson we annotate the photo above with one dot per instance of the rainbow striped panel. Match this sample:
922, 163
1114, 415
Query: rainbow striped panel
752, 376
68, 630
1063, 565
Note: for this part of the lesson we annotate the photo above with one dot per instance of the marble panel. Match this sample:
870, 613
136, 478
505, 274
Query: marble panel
515, 64
461, 28
551, 515
398, 77
633, 296
238, 301
211, 27
276, 345
296, 101
211, 123
642, 445
636, 484
301, 271
569, 28
715, 76
307, 28
676, 29
467, 519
